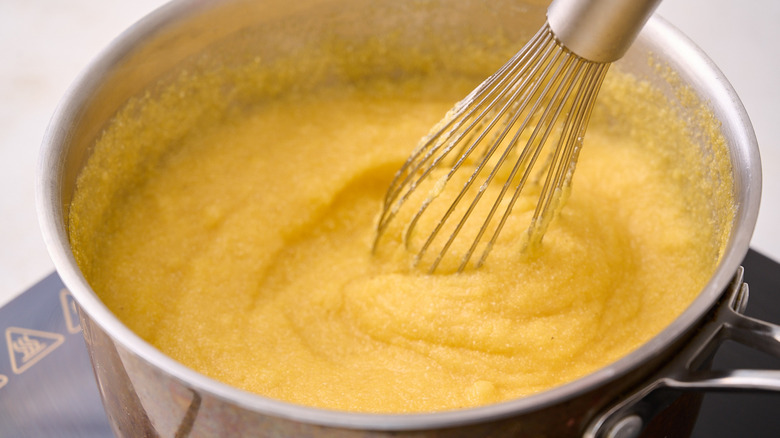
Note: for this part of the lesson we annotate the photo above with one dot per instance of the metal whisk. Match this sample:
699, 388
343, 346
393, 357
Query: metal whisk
522, 127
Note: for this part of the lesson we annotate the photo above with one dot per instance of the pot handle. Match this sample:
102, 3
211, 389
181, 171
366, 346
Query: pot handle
688, 371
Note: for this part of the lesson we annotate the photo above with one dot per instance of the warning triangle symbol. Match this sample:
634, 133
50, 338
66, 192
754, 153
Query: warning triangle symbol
69, 311
27, 346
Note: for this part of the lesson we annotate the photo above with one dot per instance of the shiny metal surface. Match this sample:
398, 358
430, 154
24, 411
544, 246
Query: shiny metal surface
148, 392
689, 369
599, 30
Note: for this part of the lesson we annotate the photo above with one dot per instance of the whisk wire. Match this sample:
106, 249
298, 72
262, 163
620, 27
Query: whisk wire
569, 144
524, 156
495, 86
530, 155
531, 92
521, 89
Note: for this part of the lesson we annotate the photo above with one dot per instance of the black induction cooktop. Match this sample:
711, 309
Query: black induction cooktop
47, 388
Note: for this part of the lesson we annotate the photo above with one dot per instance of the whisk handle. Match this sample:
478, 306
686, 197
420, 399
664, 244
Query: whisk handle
599, 30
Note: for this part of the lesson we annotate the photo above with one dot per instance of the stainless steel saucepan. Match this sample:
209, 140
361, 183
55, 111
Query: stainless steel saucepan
149, 394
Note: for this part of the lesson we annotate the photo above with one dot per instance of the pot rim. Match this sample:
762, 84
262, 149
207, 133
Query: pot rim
51, 217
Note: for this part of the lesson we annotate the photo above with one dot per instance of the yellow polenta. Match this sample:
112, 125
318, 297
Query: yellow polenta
238, 241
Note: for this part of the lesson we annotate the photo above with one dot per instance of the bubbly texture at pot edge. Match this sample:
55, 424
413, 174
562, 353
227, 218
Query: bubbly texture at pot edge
236, 239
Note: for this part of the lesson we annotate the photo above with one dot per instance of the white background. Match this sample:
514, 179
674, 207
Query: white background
44, 44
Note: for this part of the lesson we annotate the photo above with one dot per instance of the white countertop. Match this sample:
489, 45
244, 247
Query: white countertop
44, 44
